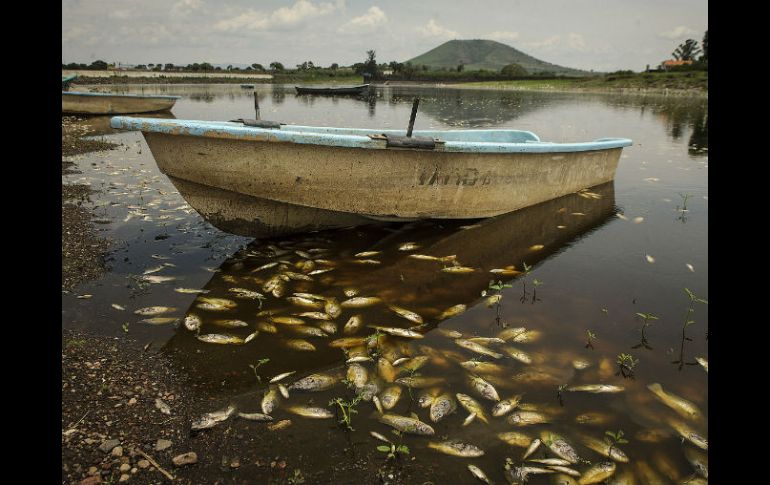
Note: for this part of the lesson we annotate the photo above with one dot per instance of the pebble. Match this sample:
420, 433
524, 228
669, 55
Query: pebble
91, 480
162, 444
125, 467
108, 445
185, 459
143, 464
117, 452
92, 470
132, 401
124, 477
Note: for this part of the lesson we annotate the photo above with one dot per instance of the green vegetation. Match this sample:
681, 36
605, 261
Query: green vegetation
394, 449
256, 366
626, 363
591, 338
614, 439
347, 408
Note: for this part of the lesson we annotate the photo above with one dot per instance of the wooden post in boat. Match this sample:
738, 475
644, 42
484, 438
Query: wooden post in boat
256, 103
412, 117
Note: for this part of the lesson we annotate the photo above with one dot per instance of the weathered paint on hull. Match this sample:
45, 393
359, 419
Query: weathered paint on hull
104, 105
392, 183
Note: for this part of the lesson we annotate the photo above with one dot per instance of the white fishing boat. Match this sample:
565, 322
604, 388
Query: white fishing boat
73, 102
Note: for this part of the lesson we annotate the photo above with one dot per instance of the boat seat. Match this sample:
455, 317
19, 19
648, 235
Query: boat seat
259, 123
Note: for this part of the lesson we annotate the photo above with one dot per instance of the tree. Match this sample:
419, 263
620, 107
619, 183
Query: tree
370, 68
460, 67
257, 67
513, 70
168, 67
98, 65
334, 66
230, 67
687, 50
705, 44
276, 66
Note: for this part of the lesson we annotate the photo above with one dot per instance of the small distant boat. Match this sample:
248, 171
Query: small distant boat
332, 90
247, 86
377, 174
111, 104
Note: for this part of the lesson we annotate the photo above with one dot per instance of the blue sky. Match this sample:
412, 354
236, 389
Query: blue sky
604, 35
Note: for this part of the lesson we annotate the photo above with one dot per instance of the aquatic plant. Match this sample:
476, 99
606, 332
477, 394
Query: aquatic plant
591, 338
347, 408
254, 368
497, 297
559, 391
686, 323
626, 364
393, 450
297, 478
647, 317
614, 439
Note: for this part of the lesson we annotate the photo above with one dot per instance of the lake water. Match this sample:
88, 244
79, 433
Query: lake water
625, 248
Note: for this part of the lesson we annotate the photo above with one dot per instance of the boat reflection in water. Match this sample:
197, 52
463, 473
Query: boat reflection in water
389, 274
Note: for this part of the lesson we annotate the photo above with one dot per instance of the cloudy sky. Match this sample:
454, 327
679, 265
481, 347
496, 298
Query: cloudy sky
603, 35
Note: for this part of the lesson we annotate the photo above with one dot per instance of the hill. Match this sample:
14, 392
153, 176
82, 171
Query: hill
487, 54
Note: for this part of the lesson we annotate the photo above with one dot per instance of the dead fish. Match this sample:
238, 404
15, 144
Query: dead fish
681, 406
386, 370
441, 407
255, 416
404, 313
515, 438
311, 412
536, 247
562, 479
215, 304
296, 276
280, 377
688, 433
299, 344
449, 333
215, 338
517, 354
593, 418
267, 327
565, 470
328, 327
559, 446
533, 446
649, 258
378, 404
472, 406
698, 460
703, 362
358, 375
117, 307
159, 320
311, 296
493, 300
406, 425
509, 271
487, 340
230, 323
315, 316
333, 308
456, 448
305, 302
476, 472
307, 331
398, 332
390, 396
458, 269
265, 266
408, 246
525, 418
483, 367
251, 336
191, 291
647, 475
419, 382
154, 310
596, 388
348, 342
580, 364
597, 473
413, 364
283, 390
551, 461
360, 302
245, 294
366, 254
303, 254
350, 292
478, 348
353, 325
483, 388
157, 279
426, 398
320, 271
379, 436
425, 257
520, 335
364, 261
269, 400
192, 322
209, 420
287, 320
506, 406
469, 419
452, 311
315, 382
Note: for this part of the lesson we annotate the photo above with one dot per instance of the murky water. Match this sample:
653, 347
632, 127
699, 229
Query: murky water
626, 248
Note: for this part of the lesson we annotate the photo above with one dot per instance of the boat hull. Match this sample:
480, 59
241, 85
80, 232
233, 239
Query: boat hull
340, 90
88, 103
382, 184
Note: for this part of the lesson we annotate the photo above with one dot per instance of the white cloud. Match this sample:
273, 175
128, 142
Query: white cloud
433, 29
503, 36
678, 32
282, 17
74, 33
370, 21
183, 7
569, 42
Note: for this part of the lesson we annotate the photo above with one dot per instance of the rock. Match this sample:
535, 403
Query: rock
108, 445
124, 477
185, 459
117, 452
91, 480
134, 470
92, 470
125, 467
162, 444
132, 401
143, 464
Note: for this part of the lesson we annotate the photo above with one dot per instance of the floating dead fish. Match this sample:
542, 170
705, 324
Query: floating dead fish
155, 310
476, 472
509, 271
366, 254
310, 296
420, 382
283, 390
251, 336
315, 315
350, 292
456, 448
565, 470
406, 425
320, 271
698, 460
597, 473
404, 313
649, 258
551, 461
360, 302
647, 475
270, 400
559, 446
267, 327
506, 406
333, 308
348, 342
157, 279
536, 247
517, 354
245, 294
379, 436
452, 311
580, 364
353, 325
689, 434
398, 332
413, 364
328, 327
483, 367
458, 269
215, 304
191, 291
690, 267
478, 348
209, 420
596, 388
307, 331
593, 418
483, 388
408, 246
526, 418
514, 438
520, 335
682, 406
486, 340
311, 412
159, 320
378, 404
533, 446
255, 416
442, 406
358, 375
472, 406
364, 261
192, 322
287, 320
229, 323
703, 362
297, 276
426, 398
469, 419
299, 344
117, 307
390, 396
453, 334
154, 270
425, 257
621, 216
215, 338
385, 370
265, 266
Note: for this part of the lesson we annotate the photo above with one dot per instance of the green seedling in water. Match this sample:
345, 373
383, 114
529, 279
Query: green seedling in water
498, 287
647, 317
614, 439
559, 391
125, 327
297, 478
626, 363
347, 408
393, 450
687, 322
591, 338
256, 366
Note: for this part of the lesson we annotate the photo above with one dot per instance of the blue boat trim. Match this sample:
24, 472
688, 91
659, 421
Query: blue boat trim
466, 141
77, 93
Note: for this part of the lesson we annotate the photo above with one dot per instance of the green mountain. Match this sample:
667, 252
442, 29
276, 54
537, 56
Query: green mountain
487, 54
